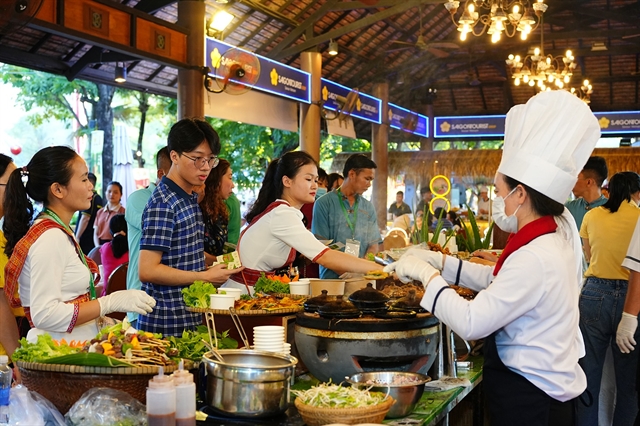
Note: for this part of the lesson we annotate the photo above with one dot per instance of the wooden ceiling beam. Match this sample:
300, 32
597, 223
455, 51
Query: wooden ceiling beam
364, 22
297, 32
353, 5
152, 6
277, 15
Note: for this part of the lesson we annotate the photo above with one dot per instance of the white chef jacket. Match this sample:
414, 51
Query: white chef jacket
632, 259
533, 302
52, 275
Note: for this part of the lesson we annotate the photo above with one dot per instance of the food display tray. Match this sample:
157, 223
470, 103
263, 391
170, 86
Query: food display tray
252, 312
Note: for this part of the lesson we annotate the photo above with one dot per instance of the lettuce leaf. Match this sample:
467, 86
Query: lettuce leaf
197, 294
43, 349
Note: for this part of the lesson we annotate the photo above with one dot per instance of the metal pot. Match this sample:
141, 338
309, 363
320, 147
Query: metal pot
249, 383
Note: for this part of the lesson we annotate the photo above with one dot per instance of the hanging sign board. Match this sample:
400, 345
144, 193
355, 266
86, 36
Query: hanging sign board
403, 119
618, 122
275, 78
469, 127
367, 107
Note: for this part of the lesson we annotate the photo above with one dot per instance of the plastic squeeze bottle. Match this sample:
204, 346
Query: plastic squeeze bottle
161, 401
5, 388
185, 397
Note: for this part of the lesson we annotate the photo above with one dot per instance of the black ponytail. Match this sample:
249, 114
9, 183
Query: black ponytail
48, 166
287, 165
621, 186
119, 243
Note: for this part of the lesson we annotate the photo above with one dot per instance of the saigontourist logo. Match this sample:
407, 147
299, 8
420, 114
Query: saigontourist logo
604, 122
445, 127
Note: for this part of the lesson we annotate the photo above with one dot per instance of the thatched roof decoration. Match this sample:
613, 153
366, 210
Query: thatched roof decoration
420, 166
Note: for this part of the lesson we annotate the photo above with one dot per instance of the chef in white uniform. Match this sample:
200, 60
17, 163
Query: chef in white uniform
527, 305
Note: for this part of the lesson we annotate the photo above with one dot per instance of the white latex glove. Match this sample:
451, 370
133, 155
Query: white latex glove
410, 267
434, 258
127, 301
348, 275
626, 330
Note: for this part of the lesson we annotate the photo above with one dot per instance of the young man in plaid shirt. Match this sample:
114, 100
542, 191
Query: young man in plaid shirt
172, 243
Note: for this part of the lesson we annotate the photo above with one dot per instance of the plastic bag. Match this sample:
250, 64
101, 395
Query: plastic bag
107, 407
28, 408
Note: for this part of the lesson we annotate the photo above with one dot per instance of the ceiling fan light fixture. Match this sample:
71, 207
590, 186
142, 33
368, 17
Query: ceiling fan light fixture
333, 48
121, 74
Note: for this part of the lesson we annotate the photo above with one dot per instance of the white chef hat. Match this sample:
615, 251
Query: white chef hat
547, 142
484, 189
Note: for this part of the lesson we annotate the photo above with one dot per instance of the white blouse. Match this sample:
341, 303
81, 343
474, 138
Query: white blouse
52, 275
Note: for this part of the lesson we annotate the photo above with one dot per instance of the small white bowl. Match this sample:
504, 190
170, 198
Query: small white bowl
230, 290
221, 301
300, 287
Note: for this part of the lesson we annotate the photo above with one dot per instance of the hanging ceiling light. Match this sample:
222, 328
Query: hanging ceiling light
547, 72
220, 21
121, 74
508, 17
333, 48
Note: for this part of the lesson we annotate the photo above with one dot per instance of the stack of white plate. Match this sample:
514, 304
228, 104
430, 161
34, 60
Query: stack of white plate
268, 338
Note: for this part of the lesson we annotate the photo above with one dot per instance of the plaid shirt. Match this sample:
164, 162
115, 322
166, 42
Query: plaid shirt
172, 224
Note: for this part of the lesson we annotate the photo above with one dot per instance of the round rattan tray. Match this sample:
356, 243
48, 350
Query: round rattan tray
314, 416
253, 312
63, 385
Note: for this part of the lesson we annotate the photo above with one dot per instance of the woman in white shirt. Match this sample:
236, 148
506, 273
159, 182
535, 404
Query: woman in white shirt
276, 230
527, 305
55, 279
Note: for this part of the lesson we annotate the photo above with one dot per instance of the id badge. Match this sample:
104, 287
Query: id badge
352, 247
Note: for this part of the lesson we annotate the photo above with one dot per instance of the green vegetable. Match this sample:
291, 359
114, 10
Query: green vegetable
245, 297
470, 239
327, 395
265, 285
197, 294
190, 345
43, 349
87, 359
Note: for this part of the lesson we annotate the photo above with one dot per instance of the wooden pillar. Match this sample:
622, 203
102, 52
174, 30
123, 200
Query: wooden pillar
380, 154
311, 62
426, 144
191, 14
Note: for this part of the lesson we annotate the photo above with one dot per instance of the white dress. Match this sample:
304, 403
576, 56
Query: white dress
533, 301
52, 275
266, 244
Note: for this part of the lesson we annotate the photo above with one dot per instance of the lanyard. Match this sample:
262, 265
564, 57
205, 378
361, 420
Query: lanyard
56, 218
351, 226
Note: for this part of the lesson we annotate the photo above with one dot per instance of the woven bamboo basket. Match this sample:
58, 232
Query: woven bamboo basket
63, 385
315, 416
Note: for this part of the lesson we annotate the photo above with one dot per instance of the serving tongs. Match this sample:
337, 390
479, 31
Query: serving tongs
239, 327
211, 324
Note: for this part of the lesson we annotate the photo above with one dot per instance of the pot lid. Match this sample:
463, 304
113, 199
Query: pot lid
314, 303
339, 308
368, 294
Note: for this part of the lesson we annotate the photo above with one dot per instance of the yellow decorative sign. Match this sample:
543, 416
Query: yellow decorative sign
440, 187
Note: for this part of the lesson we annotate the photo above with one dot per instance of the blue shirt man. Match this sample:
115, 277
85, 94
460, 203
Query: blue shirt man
344, 214
588, 189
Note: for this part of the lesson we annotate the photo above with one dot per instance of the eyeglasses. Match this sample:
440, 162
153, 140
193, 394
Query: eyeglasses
199, 162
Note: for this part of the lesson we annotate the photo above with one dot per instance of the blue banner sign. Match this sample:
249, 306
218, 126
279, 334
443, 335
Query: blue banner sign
275, 78
403, 119
469, 127
619, 122
367, 107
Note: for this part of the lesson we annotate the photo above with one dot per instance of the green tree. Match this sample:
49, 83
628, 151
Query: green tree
51, 93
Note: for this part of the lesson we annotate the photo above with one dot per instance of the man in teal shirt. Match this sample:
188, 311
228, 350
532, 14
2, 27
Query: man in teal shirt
136, 203
588, 189
345, 216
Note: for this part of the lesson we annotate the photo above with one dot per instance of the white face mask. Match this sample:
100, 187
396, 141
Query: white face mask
320, 192
506, 223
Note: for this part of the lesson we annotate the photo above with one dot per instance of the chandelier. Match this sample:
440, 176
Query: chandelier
497, 17
547, 72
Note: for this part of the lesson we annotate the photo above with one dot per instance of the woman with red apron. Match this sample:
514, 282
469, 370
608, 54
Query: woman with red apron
527, 305
276, 230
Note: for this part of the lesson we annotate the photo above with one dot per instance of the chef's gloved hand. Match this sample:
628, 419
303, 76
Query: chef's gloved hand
126, 301
349, 275
626, 329
410, 267
434, 258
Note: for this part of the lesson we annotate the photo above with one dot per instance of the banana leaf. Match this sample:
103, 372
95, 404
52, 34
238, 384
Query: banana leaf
88, 360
